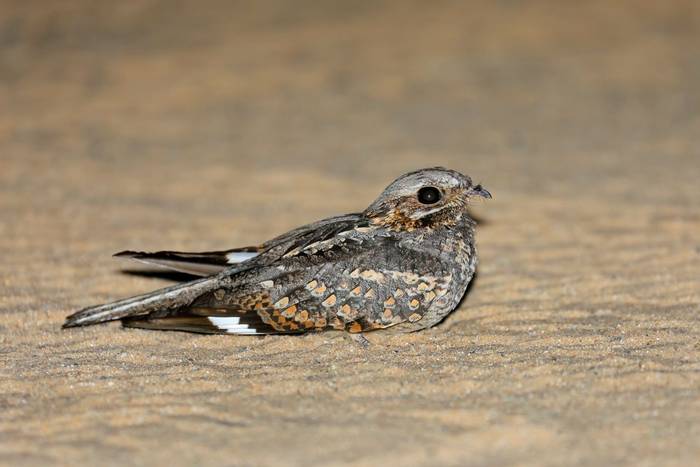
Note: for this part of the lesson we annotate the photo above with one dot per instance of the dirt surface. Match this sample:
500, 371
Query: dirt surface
198, 126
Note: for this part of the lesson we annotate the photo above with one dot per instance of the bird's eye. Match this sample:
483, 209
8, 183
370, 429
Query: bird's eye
429, 195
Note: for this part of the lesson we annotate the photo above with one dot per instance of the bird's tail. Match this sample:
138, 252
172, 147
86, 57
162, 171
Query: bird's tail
163, 299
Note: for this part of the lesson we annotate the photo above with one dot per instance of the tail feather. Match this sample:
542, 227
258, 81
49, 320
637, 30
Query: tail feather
167, 298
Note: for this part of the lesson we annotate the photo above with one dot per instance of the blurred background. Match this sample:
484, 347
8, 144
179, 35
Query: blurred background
250, 108
206, 125
544, 96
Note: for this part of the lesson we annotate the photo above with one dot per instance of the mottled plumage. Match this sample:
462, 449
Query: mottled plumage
403, 263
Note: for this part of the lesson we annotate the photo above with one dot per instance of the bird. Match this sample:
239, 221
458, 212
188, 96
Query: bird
403, 264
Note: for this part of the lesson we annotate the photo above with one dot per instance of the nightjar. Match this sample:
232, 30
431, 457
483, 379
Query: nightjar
403, 263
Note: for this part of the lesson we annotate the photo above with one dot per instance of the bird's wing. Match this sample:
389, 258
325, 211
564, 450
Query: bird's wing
212, 262
181, 296
291, 289
199, 264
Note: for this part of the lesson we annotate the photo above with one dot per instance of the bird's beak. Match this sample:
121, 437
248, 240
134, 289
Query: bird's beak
479, 190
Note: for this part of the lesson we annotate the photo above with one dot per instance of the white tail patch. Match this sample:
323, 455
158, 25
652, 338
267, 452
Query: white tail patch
231, 324
240, 256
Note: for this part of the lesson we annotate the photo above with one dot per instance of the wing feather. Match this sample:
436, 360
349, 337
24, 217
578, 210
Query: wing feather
199, 264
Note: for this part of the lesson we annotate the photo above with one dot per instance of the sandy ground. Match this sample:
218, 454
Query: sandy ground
194, 126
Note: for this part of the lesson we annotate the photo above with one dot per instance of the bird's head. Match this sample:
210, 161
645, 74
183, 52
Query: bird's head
425, 198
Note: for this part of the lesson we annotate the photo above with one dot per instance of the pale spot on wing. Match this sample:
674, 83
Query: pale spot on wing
372, 275
330, 301
240, 256
407, 277
319, 291
289, 312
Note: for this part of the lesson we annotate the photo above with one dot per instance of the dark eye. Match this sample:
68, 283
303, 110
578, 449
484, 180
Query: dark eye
429, 195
